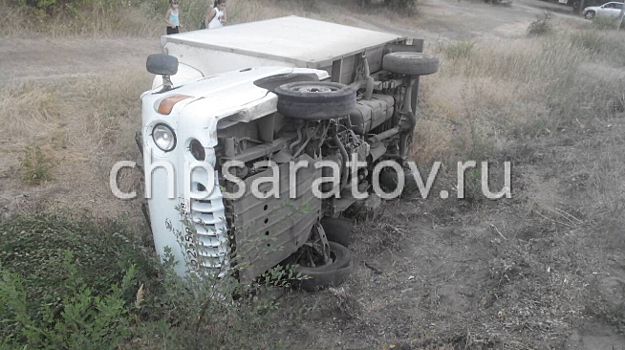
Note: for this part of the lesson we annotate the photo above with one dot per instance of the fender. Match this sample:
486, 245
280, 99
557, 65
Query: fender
185, 74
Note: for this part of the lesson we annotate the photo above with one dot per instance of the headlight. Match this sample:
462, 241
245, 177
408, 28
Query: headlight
164, 137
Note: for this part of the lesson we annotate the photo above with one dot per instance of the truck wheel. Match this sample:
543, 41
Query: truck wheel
332, 274
338, 230
410, 63
314, 100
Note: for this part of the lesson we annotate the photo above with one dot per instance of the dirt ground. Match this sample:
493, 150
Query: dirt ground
69, 58
430, 274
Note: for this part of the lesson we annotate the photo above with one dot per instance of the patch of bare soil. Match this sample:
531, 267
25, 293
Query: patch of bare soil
45, 59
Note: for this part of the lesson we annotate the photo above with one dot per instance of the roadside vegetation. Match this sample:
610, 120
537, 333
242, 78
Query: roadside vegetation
141, 18
126, 18
87, 283
550, 104
432, 274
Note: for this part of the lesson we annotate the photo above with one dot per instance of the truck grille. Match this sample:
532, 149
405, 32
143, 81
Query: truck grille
209, 220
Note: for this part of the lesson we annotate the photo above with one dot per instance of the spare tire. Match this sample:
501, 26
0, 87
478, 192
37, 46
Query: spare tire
315, 100
332, 274
410, 63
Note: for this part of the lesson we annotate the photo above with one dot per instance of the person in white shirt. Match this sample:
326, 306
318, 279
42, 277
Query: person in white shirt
215, 17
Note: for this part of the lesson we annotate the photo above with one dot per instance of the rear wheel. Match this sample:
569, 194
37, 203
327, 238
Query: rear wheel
314, 100
589, 15
327, 275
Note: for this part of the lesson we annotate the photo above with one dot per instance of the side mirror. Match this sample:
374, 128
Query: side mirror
164, 65
160, 64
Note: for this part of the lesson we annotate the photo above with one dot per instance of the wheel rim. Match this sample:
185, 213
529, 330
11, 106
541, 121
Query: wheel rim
313, 252
314, 89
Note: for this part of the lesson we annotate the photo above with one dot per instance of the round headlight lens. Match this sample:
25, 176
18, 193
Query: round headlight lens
164, 137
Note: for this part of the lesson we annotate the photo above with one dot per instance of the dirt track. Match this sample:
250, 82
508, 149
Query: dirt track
66, 58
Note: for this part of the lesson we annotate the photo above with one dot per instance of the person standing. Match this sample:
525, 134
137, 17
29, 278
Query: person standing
215, 17
172, 18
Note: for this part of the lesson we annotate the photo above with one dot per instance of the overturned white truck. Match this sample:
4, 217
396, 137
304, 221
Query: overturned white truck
251, 135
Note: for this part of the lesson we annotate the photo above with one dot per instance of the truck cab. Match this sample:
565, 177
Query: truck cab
248, 134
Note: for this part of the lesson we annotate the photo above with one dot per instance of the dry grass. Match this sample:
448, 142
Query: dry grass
83, 127
489, 94
542, 103
144, 19
94, 19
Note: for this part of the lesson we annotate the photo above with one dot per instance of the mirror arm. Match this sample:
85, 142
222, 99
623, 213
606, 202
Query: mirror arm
167, 84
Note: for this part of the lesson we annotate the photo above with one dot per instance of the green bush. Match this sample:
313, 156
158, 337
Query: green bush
53, 6
541, 26
87, 284
87, 321
46, 251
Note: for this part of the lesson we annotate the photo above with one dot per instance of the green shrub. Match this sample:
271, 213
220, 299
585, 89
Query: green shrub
86, 284
87, 321
34, 167
48, 7
47, 250
541, 26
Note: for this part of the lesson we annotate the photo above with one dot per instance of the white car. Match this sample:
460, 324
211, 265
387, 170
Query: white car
610, 9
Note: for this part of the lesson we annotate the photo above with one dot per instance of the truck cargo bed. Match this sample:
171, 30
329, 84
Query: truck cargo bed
292, 41
304, 42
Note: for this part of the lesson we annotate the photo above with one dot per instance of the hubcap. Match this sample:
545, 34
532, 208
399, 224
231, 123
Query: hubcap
314, 89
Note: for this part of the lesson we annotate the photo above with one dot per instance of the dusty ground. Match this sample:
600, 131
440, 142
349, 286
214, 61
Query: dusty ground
429, 274
36, 59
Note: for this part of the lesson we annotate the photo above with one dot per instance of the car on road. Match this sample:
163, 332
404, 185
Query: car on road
610, 9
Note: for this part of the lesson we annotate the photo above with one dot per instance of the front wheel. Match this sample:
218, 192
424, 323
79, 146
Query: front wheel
589, 15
